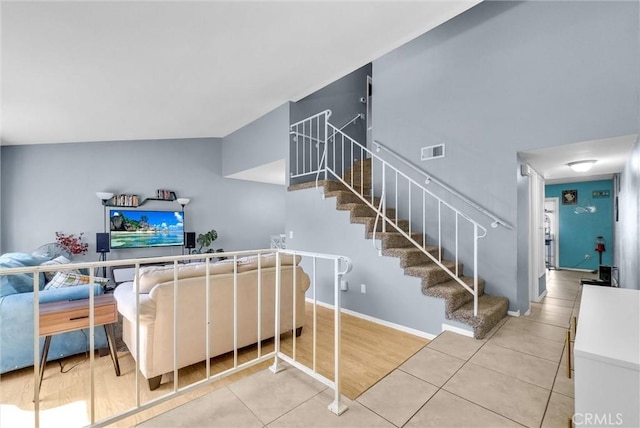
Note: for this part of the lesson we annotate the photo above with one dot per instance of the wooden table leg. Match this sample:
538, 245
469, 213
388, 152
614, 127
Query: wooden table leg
112, 347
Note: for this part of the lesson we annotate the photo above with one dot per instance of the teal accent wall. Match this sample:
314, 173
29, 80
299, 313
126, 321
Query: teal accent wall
578, 232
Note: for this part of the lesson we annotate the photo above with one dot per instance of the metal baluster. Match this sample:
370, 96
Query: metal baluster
457, 273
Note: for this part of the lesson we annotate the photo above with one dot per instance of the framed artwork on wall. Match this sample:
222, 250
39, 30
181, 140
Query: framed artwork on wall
570, 197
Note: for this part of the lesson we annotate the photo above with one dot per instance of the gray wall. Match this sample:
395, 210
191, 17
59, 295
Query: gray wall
48, 188
342, 97
627, 229
501, 78
262, 141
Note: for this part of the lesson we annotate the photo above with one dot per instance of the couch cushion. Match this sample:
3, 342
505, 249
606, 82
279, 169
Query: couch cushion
69, 279
268, 261
60, 260
18, 283
150, 276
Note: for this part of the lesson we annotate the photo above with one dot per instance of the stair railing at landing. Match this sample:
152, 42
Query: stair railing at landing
333, 153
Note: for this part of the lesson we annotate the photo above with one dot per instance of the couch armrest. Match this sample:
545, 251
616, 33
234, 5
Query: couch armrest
126, 298
69, 293
54, 295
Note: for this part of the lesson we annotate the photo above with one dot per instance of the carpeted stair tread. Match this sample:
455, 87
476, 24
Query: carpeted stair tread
346, 196
334, 186
362, 169
370, 223
455, 295
410, 256
363, 210
346, 190
396, 239
431, 273
360, 209
491, 309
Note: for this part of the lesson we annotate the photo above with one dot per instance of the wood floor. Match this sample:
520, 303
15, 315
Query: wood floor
369, 352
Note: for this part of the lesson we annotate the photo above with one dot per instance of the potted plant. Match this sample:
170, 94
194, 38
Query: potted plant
205, 240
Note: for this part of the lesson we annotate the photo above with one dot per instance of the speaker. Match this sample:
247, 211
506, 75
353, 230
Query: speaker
605, 274
190, 240
102, 243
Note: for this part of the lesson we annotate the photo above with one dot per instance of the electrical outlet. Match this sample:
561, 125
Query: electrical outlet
344, 285
291, 234
587, 256
363, 288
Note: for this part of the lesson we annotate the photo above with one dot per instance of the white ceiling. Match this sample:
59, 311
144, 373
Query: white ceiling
102, 71
105, 71
610, 154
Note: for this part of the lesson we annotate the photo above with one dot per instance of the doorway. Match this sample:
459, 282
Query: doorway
552, 232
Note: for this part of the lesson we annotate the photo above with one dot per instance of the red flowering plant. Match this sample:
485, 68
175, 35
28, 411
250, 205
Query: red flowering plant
72, 242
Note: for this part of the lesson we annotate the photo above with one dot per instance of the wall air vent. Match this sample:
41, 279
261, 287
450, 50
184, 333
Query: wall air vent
432, 152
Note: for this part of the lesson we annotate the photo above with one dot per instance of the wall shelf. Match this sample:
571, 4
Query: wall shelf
132, 201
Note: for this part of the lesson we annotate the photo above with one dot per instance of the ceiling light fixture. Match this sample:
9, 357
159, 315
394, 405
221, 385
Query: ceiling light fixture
581, 166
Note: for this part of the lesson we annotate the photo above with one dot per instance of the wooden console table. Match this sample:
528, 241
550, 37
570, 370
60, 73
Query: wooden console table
71, 315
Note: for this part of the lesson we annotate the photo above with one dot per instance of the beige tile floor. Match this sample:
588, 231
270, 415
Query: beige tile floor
515, 377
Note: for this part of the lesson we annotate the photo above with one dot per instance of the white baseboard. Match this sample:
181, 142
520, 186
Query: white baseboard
462, 331
514, 313
394, 326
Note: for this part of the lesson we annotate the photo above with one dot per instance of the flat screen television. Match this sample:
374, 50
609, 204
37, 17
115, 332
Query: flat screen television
139, 229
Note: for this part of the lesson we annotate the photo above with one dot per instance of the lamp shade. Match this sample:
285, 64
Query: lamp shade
183, 201
581, 166
105, 196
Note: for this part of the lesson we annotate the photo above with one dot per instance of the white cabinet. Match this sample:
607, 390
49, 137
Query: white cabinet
607, 358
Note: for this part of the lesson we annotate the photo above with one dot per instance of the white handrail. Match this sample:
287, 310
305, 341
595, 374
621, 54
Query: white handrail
430, 178
358, 116
326, 113
382, 213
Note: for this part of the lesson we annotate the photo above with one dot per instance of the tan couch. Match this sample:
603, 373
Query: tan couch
156, 291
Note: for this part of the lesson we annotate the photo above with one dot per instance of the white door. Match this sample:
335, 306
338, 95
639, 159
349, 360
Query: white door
369, 123
537, 267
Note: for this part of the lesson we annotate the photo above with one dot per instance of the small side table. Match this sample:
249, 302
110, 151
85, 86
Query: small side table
70, 315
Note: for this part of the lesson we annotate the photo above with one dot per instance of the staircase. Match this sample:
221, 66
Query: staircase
435, 281
347, 168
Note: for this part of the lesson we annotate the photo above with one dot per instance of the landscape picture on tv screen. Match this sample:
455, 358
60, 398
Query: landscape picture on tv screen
136, 229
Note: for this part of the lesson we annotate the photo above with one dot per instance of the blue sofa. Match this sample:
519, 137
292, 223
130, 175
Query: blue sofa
16, 316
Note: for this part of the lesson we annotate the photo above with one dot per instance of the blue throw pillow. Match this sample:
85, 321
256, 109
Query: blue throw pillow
19, 283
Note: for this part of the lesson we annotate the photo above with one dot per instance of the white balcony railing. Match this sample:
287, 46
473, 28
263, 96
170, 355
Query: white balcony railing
340, 266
